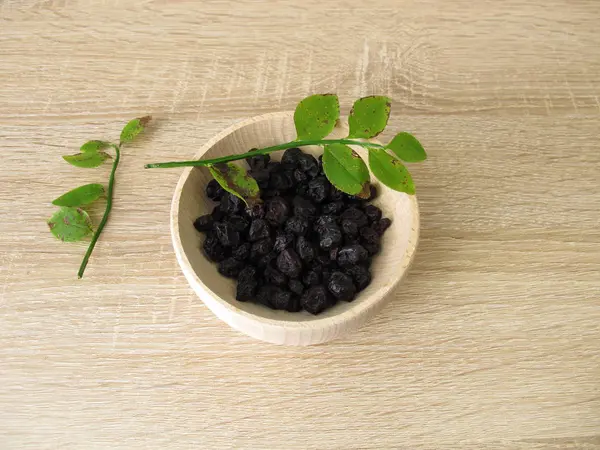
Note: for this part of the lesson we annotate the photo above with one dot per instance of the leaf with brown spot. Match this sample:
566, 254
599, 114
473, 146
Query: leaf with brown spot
235, 180
346, 170
369, 116
133, 128
390, 171
316, 115
70, 224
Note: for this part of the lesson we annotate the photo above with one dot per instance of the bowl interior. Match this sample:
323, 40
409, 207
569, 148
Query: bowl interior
191, 201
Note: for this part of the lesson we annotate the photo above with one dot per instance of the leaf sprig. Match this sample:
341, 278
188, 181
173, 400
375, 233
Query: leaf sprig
71, 222
315, 118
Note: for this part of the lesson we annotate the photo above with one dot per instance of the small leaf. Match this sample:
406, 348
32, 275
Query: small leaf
94, 146
80, 196
346, 170
369, 116
407, 148
390, 171
133, 128
235, 180
70, 224
315, 116
86, 160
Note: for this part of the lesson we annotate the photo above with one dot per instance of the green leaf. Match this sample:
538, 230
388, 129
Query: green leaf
346, 170
390, 171
369, 116
94, 146
80, 196
70, 224
407, 148
235, 180
86, 160
315, 116
133, 128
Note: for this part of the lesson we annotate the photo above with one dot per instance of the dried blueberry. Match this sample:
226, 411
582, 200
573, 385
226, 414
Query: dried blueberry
372, 193
230, 267
226, 234
330, 237
302, 189
360, 274
304, 207
246, 290
372, 212
333, 253
296, 287
261, 176
318, 189
369, 235
324, 221
256, 211
355, 215
308, 163
214, 191
312, 277
203, 223
277, 211
335, 195
351, 255
382, 225
282, 299
291, 157
315, 299
274, 276
258, 162
280, 181
349, 228
299, 176
282, 241
274, 166
265, 294
265, 261
242, 252
248, 273
213, 249
259, 229
231, 204
261, 248
297, 225
332, 208
305, 249
238, 223
289, 263
372, 247
341, 287
217, 214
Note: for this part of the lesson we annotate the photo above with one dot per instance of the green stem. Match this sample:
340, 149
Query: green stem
109, 197
262, 151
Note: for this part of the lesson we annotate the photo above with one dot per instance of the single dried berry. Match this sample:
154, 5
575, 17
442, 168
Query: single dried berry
349, 228
308, 163
335, 195
355, 215
326, 275
351, 255
304, 207
305, 249
280, 181
248, 273
226, 234
330, 237
315, 299
324, 221
283, 300
360, 275
382, 225
216, 214
372, 193
372, 212
278, 211
274, 166
265, 294
283, 240
258, 162
238, 222
214, 191
246, 290
259, 229
291, 157
296, 287
213, 249
231, 204
261, 176
242, 252
373, 247
297, 225
267, 260
274, 276
341, 287
369, 235
332, 208
302, 189
323, 259
289, 263
318, 189
299, 176
256, 211
261, 248
230, 267
312, 277
203, 223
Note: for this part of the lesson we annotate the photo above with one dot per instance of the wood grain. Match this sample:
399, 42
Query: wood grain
491, 342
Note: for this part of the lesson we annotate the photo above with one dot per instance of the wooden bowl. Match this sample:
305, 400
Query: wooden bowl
218, 292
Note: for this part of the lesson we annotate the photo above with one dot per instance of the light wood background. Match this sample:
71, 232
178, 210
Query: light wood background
492, 342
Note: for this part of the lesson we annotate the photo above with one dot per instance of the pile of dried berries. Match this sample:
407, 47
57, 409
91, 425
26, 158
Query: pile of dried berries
306, 246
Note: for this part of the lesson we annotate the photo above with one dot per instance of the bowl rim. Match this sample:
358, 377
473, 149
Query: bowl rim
196, 283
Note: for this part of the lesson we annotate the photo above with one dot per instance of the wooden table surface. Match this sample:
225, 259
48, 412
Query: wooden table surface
493, 340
